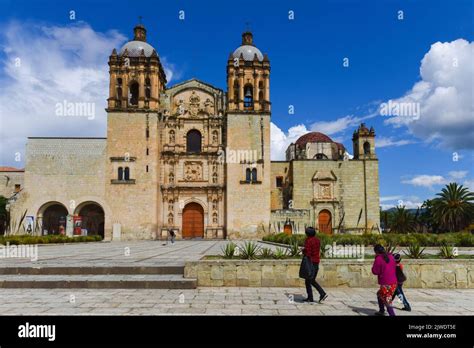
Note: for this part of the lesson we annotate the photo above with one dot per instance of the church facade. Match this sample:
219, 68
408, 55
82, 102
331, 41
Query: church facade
194, 159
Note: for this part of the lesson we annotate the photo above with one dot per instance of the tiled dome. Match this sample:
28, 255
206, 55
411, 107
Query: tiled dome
135, 48
313, 137
248, 52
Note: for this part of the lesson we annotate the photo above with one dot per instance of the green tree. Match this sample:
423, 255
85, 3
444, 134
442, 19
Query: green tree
453, 209
402, 221
426, 218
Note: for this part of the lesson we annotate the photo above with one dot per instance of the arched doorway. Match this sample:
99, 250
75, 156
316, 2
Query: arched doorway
325, 222
54, 219
93, 218
193, 221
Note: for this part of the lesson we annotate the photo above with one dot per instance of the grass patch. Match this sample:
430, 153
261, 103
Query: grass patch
50, 239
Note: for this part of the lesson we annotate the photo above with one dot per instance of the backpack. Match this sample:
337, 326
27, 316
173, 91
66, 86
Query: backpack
401, 277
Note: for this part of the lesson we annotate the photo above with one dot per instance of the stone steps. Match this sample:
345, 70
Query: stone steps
73, 270
101, 277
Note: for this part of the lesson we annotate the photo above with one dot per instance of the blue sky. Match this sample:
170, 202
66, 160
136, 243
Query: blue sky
385, 56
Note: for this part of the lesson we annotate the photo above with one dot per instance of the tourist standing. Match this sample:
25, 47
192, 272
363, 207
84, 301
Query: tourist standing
311, 249
401, 278
384, 268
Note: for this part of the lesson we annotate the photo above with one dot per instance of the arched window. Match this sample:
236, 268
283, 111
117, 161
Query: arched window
320, 156
126, 174
248, 96
254, 175
119, 88
248, 175
147, 88
193, 141
236, 91
120, 173
367, 148
133, 94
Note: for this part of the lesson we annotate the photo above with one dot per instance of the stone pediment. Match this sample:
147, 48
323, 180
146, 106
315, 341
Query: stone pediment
324, 175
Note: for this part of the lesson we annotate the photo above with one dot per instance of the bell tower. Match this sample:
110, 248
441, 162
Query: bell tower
248, 78
363, 141
137, 81
248, 141
136, 75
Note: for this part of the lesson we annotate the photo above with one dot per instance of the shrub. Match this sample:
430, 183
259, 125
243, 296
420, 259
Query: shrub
229, 250
249, 250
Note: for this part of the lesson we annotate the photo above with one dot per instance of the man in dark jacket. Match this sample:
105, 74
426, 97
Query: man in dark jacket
312, 249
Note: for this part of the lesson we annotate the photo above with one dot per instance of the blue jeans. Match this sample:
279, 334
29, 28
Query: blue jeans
399, 292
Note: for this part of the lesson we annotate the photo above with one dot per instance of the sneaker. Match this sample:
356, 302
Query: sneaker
325, 296
379, 313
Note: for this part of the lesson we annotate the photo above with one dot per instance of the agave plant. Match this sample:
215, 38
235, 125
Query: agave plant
414, 251
280, 253
266, 253
294, 249
249, 250
447, 251
229, 250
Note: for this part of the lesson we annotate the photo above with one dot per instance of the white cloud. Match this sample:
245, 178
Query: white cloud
469, 184
444, 95
336, 126
390, 198
280, 140
426, 180
45, 65
456, 175
381, 141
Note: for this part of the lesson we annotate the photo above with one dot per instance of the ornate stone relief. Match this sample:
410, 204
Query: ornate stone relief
193, 171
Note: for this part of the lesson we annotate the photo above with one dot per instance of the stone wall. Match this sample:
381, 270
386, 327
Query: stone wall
440, 274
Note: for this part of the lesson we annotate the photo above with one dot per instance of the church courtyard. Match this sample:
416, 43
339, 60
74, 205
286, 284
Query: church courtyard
157, 255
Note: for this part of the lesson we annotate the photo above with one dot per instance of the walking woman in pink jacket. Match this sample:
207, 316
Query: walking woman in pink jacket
384, 268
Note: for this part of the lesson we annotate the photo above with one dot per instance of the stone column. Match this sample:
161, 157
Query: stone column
141, 89
230, 88
256, 102
241, 91
125, 91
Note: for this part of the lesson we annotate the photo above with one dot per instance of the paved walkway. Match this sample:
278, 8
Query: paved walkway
133, 253
223, 301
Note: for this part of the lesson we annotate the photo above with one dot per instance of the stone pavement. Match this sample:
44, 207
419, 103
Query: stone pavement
223, 301
133, 253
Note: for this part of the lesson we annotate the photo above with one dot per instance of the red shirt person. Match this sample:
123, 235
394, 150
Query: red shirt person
312, 247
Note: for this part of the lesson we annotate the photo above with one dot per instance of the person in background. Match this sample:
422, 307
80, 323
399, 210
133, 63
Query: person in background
401, 278
311, 249
172, 234
384, 268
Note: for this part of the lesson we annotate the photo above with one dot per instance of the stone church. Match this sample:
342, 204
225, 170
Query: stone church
194, 159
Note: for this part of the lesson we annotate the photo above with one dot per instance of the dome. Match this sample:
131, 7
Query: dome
248, 52
313, 137
135, 48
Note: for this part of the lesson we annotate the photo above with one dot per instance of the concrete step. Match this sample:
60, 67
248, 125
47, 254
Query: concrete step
98, 281
103, 270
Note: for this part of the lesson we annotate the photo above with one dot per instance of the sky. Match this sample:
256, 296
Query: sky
403, 67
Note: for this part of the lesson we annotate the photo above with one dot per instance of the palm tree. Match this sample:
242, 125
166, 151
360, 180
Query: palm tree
453, 209
402, 221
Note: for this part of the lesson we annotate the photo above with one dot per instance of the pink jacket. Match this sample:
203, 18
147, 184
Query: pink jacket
385, 272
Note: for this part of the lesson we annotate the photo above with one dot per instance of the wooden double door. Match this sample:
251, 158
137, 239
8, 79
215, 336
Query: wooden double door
325, 222
193, 221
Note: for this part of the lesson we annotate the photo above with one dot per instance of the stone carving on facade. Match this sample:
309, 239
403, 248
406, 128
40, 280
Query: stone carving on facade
172, 137
193, 171
325, 191
194, 103
209, 106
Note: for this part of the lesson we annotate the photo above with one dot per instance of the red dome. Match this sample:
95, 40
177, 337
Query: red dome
313, 137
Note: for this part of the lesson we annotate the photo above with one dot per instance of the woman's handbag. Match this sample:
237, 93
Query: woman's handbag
306, 268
